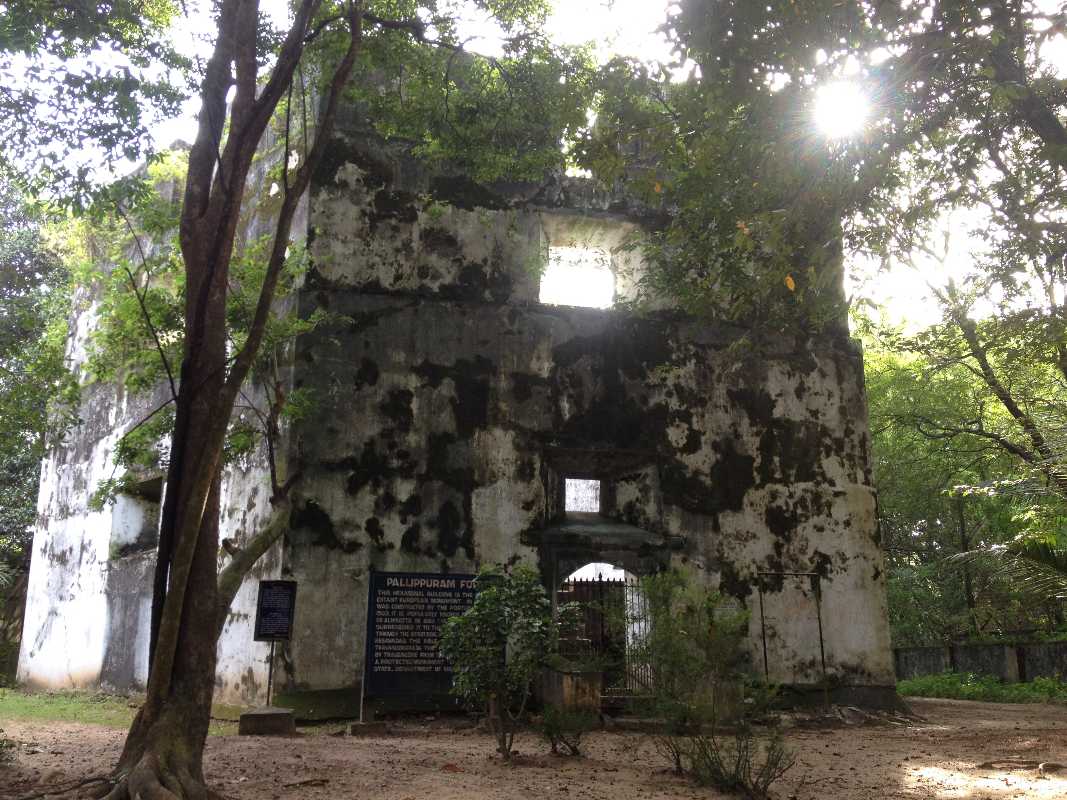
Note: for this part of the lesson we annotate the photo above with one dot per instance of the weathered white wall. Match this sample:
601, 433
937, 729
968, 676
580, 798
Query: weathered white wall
241, 672
69, 613
444, 397
88, 606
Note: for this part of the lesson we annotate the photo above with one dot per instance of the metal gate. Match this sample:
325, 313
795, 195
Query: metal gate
612, 620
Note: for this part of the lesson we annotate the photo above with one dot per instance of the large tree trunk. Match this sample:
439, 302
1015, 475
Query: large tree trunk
163, 755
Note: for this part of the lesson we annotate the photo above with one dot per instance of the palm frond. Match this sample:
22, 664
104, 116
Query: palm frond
1033, 566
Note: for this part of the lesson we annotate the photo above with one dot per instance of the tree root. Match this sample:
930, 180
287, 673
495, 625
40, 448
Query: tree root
59, 791
150, 780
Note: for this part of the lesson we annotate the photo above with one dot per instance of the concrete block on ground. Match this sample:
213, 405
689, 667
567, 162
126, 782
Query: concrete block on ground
268, 721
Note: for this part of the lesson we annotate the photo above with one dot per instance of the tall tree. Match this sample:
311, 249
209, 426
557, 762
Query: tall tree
942, 494
496, 117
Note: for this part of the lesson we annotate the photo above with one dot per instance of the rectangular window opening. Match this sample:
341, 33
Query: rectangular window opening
581, 495
135, 518
578, 276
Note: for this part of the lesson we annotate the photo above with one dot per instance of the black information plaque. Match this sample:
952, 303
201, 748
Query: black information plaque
274, 611
405, 613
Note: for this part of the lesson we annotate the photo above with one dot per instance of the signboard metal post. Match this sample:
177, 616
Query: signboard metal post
270, 671
366, 628
275, 607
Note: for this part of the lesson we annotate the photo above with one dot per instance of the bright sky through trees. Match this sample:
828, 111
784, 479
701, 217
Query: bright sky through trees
841, 109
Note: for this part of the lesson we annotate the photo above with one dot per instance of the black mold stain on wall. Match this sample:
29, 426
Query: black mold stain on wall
311, 524
128, 591
470, 377
452, 396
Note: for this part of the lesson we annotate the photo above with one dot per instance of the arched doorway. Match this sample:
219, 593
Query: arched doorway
607, 606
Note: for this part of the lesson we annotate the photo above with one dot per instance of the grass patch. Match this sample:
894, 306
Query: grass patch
92, 709
112, 711
968, 686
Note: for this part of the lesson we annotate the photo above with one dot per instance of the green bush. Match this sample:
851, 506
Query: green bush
692, 643
498, 647
969, 686
9, 657
564, 727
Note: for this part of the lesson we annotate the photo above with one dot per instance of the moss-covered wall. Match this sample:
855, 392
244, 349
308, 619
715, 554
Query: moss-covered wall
452, 405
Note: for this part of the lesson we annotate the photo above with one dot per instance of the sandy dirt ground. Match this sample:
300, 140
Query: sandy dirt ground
938, 755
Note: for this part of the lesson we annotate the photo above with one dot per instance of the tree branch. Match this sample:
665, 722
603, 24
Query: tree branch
243, 361
232, 575
144, 309
969, 329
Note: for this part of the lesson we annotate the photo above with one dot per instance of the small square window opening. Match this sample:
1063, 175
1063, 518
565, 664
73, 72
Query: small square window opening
581, 495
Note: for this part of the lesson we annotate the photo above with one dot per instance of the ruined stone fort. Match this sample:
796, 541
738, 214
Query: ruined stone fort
456, 403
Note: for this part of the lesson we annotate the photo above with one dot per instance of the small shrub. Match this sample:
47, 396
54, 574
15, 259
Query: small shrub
738, 761
692, 644
498, 647
564, 727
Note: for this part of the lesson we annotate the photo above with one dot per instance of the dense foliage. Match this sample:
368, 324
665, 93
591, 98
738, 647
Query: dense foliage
942, 495
80, 83
34, 300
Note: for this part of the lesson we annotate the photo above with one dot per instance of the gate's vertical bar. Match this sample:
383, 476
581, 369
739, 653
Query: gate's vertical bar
600, 602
